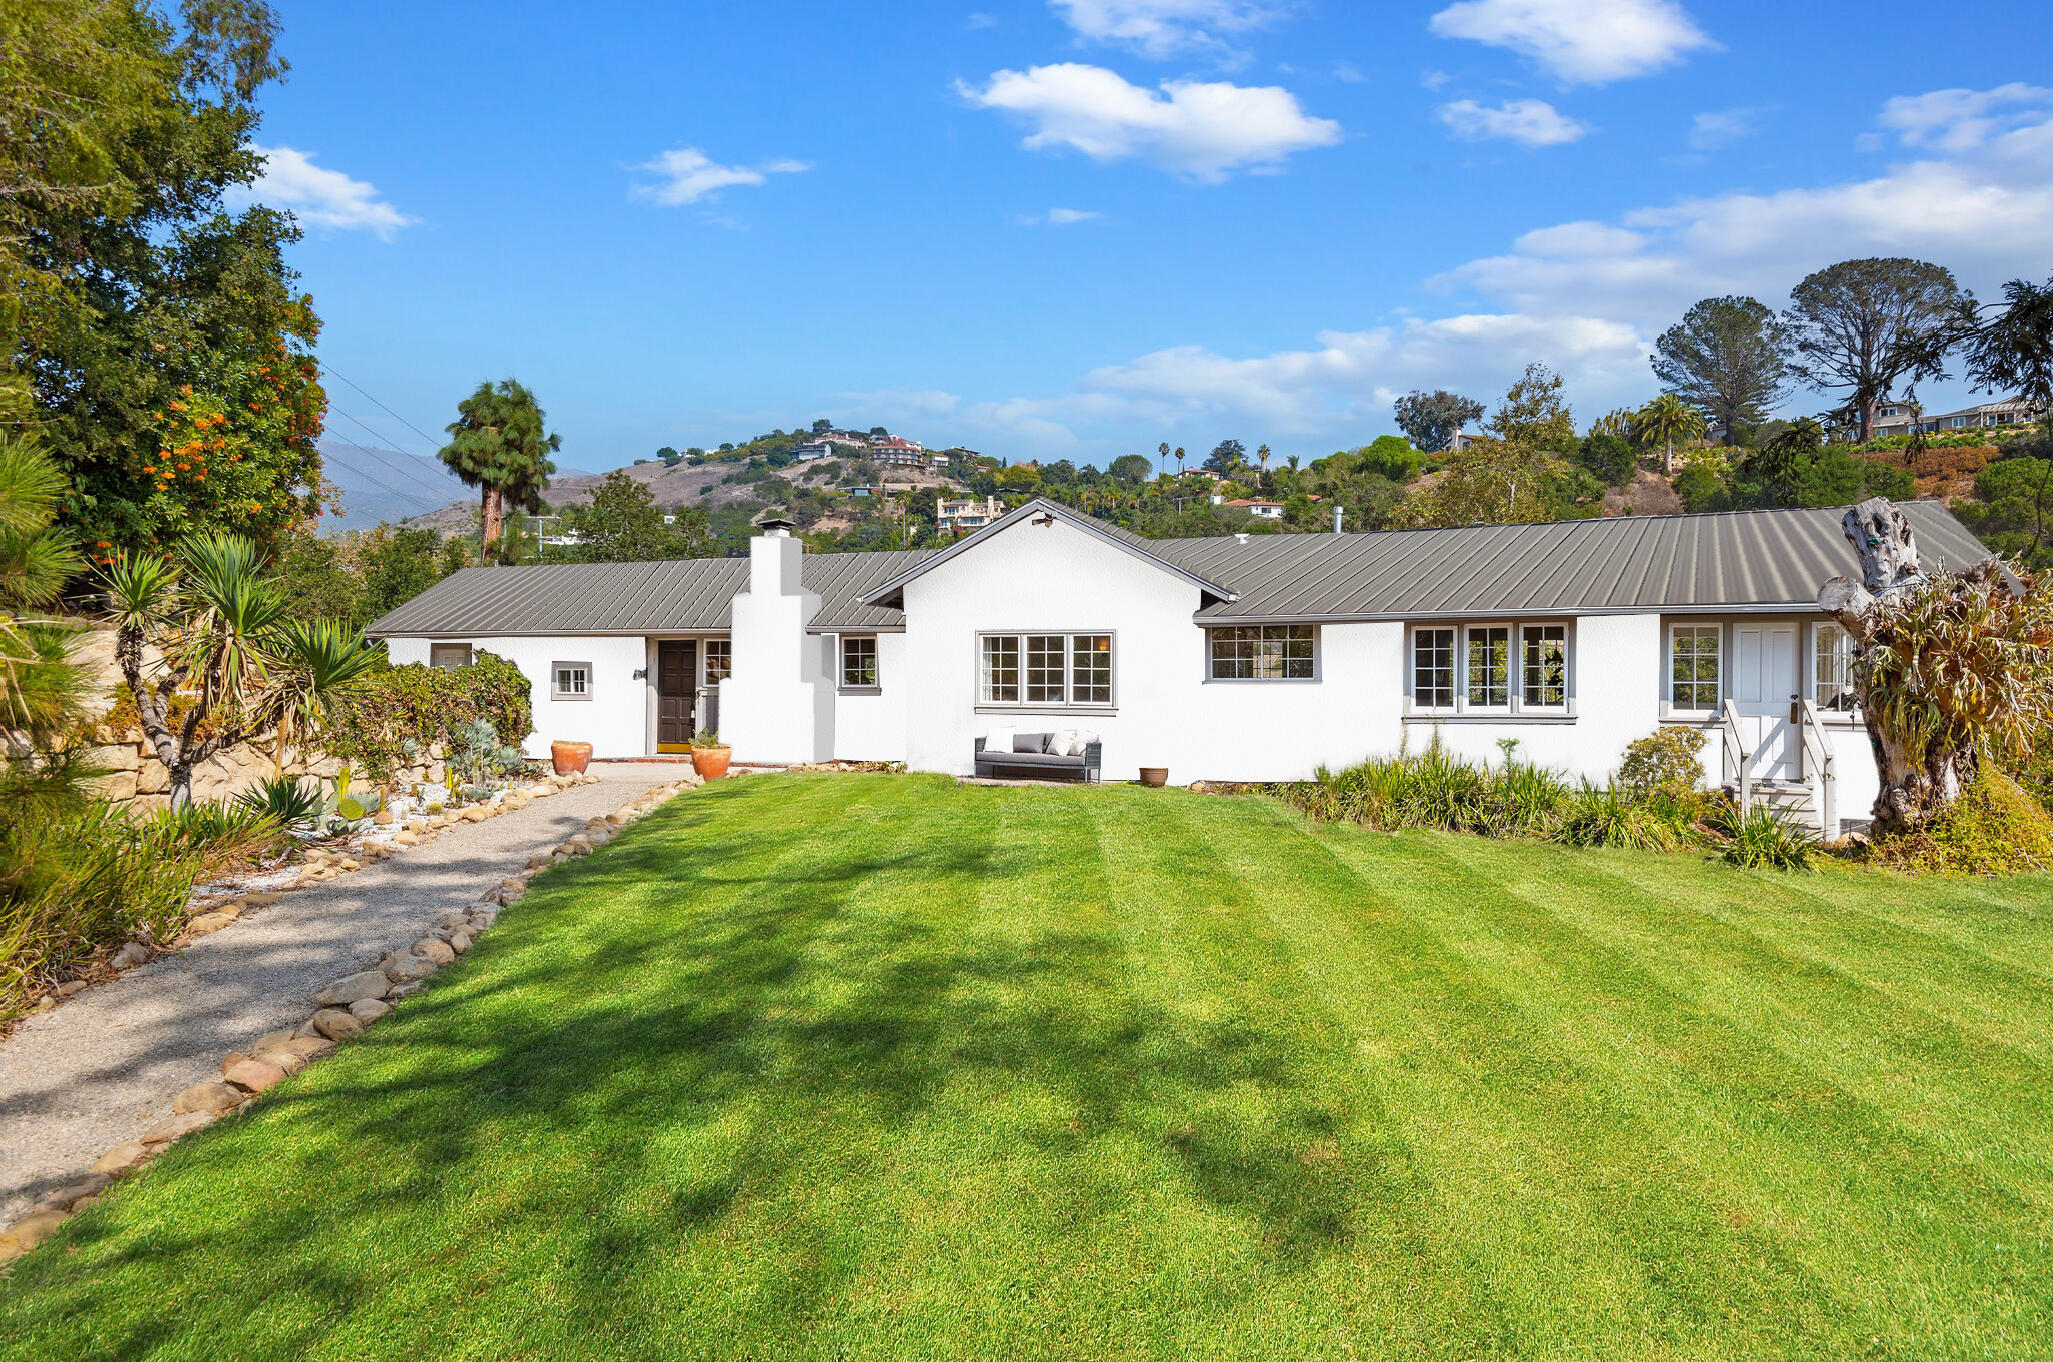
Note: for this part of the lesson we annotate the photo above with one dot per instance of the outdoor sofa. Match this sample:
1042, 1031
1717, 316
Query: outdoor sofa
1039, 763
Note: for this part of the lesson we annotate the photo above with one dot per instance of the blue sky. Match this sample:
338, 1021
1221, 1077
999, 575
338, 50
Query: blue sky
1075, 229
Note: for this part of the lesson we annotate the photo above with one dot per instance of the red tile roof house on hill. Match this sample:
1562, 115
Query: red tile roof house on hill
1232, 658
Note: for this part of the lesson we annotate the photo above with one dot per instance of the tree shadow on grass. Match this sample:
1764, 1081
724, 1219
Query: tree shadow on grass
664, 1039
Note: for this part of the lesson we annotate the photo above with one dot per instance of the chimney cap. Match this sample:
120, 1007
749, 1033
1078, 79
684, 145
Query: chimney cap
774, 525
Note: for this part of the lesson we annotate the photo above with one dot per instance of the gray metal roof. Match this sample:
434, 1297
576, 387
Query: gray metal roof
1740, 560
680, 596
1148, 550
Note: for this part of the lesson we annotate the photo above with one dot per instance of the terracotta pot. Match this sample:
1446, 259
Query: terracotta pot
711, 762
570, 758
1154, 777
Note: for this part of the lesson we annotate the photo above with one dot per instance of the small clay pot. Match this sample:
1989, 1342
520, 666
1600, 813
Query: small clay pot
570, 758
711, 762
1154, 777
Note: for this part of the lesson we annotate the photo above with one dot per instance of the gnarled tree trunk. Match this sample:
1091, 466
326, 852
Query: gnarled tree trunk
1911, 789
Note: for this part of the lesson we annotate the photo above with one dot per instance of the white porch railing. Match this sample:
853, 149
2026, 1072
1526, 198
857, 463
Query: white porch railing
1738, 761
1817, 768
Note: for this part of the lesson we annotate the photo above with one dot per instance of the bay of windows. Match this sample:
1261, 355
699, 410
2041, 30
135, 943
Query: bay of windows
1263, 652
1045, 669
1489, 669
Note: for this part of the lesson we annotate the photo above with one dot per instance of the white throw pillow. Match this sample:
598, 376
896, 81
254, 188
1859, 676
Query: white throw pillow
1062, 743
1027, 742
998, 740
1084, 740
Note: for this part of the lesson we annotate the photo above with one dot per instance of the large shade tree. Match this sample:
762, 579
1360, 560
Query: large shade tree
1727, 357
1861, 331
165, 342
1431, 420
498, 444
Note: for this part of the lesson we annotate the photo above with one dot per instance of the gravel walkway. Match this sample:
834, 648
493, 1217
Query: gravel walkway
104, 1067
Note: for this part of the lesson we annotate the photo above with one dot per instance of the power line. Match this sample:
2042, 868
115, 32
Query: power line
427, 504
376, 403
420, 480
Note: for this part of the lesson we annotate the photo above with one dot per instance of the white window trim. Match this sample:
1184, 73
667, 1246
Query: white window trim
1851, 718
1516, 710
1318, 659
1671, 710
1023, 705
556, 691
848, 687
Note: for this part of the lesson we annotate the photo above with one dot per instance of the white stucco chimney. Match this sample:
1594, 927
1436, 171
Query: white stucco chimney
778, 705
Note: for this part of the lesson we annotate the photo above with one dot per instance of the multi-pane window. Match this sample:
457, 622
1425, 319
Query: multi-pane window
1001, 669
1543, 681
859, 661
449, 655
1432, 669
719, 660
572, 680
1045, 669
1263, 652
1046, 661
1694, 666
1090, 669
1489, 667
1832, 668
1499, 669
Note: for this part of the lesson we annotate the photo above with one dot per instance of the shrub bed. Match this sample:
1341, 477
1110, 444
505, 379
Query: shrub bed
382, 721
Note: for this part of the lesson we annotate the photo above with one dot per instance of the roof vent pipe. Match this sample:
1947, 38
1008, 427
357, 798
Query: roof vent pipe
1240, 535
1336, 520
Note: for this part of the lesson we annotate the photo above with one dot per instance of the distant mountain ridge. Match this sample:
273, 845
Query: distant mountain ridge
388, 486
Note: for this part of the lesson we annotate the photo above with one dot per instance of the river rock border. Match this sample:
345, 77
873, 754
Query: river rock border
344, 1009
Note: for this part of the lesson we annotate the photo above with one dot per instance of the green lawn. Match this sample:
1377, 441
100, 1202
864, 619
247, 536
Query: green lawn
883, 1067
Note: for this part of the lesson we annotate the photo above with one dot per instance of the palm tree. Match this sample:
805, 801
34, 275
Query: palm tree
1262, 453
1162, 453
1180, 457
497, 444
1668, 418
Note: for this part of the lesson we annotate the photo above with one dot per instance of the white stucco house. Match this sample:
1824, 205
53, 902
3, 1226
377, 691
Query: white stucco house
1248, 657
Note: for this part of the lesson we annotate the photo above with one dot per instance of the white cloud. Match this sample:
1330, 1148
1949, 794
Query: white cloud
1961, 120
324, 198
1531, 122
1715, 128
1201, 129
1586, 297
1583, 42
1161, 29
979, 19
1986, 212
688, 175
1060, 217
1348, 73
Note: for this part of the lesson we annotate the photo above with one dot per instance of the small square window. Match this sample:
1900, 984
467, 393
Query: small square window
858, 662
449, 655
719, 660
571, 681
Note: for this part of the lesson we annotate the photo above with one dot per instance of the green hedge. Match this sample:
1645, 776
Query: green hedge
383, 721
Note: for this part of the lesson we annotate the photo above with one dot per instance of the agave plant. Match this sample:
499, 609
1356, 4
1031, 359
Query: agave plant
292, 803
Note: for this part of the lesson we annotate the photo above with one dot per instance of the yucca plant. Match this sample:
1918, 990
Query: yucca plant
232, 666
41, 689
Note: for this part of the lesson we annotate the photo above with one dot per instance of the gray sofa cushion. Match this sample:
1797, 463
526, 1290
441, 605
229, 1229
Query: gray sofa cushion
1026, 759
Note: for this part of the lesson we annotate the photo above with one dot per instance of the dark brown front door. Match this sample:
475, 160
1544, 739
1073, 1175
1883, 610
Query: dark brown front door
677, 674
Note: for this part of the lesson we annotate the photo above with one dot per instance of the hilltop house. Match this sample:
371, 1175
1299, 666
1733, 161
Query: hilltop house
960, 515
1253, 657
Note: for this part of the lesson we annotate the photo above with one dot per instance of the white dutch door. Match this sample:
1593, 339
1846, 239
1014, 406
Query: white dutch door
1764, 685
